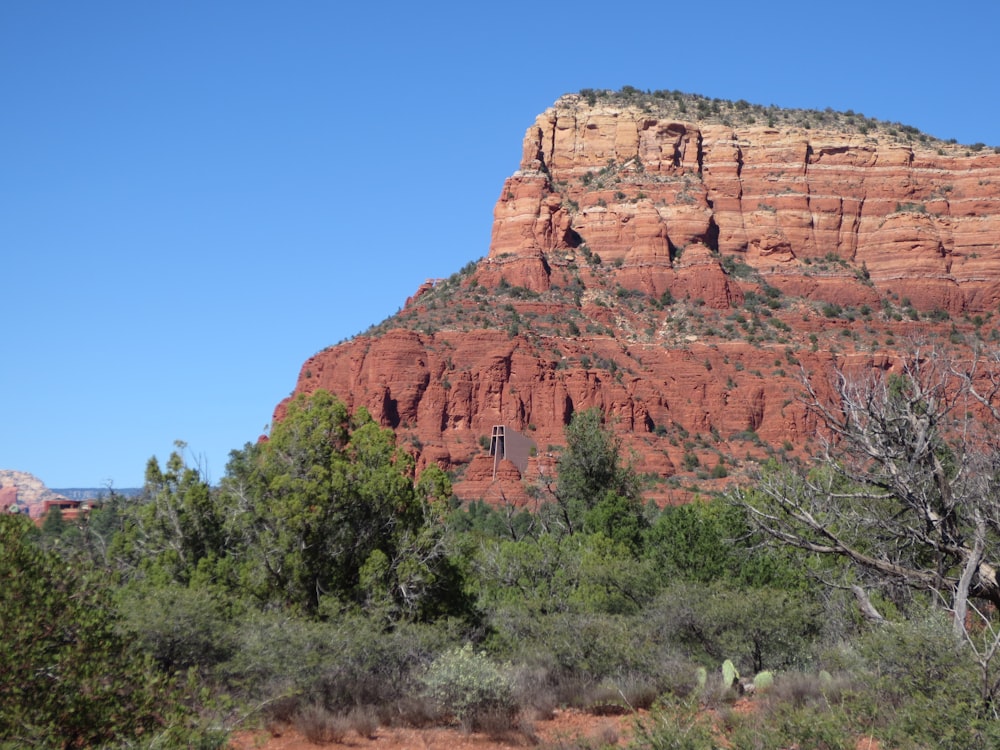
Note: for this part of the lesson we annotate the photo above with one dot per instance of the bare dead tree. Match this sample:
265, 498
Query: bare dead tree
906, 486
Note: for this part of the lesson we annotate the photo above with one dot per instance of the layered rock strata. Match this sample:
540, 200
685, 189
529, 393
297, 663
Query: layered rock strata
683, 277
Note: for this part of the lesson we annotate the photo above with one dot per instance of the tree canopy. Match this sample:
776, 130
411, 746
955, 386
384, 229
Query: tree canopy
67, 675
327, 508
596, 488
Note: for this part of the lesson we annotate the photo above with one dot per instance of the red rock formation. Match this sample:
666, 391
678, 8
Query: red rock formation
680, 275
8, 498
27, 491
643, 183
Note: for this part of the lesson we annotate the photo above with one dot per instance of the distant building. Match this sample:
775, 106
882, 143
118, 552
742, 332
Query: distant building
511, 445
70, 509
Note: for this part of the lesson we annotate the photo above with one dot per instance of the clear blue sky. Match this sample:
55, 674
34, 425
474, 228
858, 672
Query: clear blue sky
197, 196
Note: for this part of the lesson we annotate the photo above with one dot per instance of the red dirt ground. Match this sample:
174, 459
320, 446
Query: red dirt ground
567, 730
563, 730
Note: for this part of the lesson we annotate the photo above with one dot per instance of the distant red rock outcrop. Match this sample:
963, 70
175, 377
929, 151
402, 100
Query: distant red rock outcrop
8, 499
27, 491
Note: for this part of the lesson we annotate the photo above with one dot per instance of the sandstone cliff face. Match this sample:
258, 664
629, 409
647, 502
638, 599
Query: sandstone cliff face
640, 190
681, 276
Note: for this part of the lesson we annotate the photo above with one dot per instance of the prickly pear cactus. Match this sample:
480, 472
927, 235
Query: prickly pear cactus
729, 674
763, 680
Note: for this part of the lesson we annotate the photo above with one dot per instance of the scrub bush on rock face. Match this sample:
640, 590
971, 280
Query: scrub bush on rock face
468, 685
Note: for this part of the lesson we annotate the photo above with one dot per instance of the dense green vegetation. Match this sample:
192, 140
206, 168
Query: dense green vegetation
67, 676
321, 583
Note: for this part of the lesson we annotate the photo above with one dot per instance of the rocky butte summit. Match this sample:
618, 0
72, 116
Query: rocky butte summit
682, 263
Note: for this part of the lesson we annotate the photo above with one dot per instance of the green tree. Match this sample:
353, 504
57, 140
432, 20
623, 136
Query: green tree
175, 531
758, 627
562, 573
706, 541
619, 519
67, 678
180, 626
86, 538
434, 488
589, 469
328, 507
100, 526
54, 525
